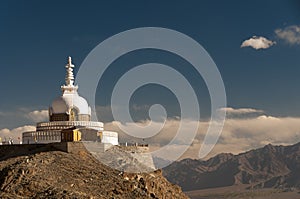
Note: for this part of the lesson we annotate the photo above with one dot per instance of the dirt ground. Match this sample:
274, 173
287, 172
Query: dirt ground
58, 174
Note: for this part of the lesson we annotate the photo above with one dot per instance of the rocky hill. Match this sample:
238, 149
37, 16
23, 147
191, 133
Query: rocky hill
56, 174
267, 167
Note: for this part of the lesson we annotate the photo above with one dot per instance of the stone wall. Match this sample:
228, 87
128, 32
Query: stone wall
136, 157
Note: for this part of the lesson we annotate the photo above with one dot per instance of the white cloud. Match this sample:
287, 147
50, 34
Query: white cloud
230, 110
22, 116
265, 117
238, 135
258, 43
290, 34
38, 116
15, 133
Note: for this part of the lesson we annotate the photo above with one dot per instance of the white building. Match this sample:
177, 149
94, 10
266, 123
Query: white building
69, 111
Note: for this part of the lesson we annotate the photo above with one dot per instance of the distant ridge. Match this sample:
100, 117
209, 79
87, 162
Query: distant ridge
267, 167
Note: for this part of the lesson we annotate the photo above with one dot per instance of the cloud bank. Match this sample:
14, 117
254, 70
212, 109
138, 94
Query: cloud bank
15, 133
21, 117
258, 43
290, 34
238, 135
230, 110
38, 116
249, 128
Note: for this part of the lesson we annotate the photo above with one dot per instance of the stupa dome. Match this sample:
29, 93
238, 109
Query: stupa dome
65, 103
70, 99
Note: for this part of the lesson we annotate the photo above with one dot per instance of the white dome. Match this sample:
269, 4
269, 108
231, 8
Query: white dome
70, 98
68, 101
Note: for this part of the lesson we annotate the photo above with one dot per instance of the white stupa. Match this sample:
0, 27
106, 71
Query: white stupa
69, 111
70, 106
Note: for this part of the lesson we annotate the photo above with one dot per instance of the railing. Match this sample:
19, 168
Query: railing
69, 123
133, 144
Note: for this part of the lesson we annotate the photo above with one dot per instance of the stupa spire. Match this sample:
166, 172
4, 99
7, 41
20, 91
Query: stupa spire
69, 86
69, 74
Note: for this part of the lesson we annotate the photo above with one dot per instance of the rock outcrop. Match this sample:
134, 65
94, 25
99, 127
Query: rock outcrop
57, 174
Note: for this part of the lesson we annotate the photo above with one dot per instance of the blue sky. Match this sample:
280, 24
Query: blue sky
36, 38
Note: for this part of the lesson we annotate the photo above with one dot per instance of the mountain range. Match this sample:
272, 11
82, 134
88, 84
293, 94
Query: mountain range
267, 167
